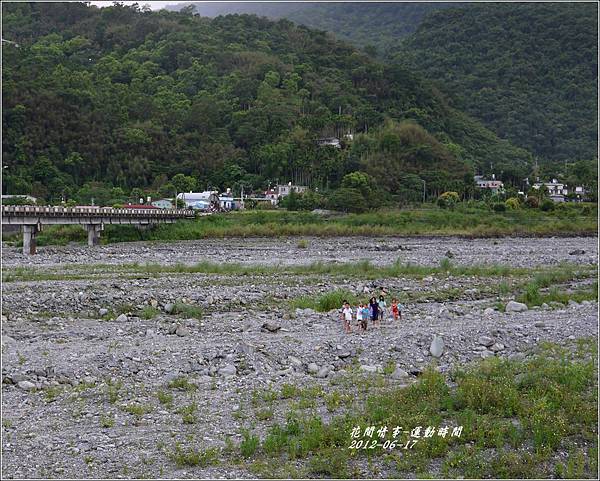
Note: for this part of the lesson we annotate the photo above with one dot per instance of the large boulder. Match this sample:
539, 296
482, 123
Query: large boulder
26, 385
399, 374
228, 370
514, 306
437, 346
312, 368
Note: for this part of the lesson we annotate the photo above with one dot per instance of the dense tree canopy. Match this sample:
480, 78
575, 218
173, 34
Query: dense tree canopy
528, 71
131, 98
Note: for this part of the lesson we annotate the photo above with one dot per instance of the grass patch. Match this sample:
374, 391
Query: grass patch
515, 415
149, 312
51, 393
107, 421
188, 413
249, 444
325, 302
533, 294
188, 310
137, 409
113, 389
190, 457
362, 270
165, 398
182, 383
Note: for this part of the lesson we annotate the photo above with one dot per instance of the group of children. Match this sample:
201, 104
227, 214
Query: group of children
375, 310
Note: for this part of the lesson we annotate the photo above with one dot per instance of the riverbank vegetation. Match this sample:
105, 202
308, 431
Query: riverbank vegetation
464, 220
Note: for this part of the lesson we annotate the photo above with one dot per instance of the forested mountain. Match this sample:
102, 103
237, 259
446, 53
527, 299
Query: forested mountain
130, 97
368, 24
527, 70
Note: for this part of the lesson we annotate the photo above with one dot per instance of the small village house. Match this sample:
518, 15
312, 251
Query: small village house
272, 196
163, 203
332, 141
200, 200
286, 189
495, 186
20, 197
556, 190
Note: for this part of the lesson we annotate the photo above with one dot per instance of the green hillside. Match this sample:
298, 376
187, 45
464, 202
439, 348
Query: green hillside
129, 98
527, 71
367, 24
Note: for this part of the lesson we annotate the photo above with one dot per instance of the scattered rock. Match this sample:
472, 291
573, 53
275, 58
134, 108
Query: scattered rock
485, 341
367, 368
122, 318
539, 324
323, 372
497, 347
399, 374
577, 252
271, 326
294, 361
514, 306
169, 308
489, 311
312, 368
182, 331
228, 370
103, 311
26, 385
437, 346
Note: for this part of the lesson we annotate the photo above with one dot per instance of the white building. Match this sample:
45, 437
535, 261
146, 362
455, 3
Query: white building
492, 184
199, 200
163, 203
556, 190
23, 197
332, 141
286, 189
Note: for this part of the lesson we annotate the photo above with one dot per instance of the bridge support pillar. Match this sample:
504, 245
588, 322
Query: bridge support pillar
93, 231
29, 244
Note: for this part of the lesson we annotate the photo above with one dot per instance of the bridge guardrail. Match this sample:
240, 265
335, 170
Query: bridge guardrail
51, 211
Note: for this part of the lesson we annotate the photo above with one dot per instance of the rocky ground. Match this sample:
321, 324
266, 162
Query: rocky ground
513, 251
86, 389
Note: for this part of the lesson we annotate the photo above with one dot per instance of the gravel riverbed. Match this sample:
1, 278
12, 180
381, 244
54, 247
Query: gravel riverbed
73, 366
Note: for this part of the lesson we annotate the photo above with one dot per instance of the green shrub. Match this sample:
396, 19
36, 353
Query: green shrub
499, 207
532, 202
249, 444
448, 200
512, 203
547, 205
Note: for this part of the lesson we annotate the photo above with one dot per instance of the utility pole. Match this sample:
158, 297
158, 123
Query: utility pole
423, 190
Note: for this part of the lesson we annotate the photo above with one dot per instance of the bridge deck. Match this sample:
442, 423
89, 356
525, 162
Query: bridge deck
41, 212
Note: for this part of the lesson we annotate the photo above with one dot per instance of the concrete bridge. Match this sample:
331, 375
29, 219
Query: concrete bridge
93, 219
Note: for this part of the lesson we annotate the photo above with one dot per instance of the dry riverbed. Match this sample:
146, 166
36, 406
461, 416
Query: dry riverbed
111, 372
